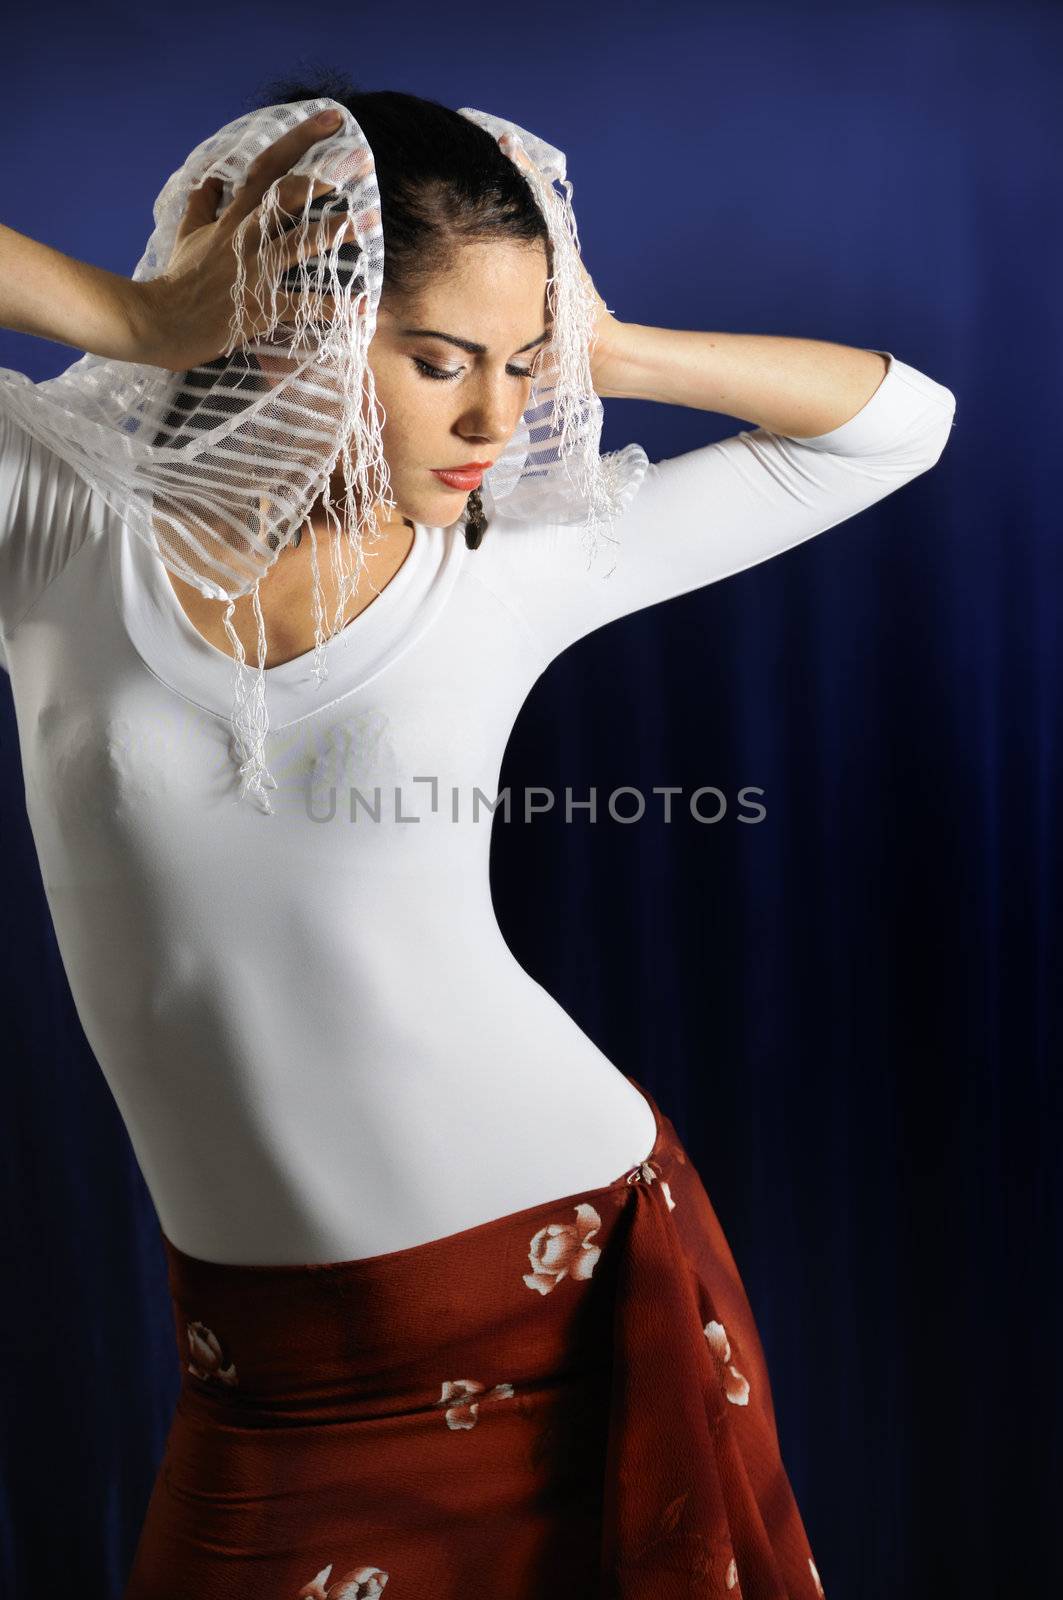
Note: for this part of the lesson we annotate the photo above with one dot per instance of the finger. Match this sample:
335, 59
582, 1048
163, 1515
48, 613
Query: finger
255, 225
367, 223
292, 193
292, 305
274, 162
202, 206
295, 204
354, 165
297, 249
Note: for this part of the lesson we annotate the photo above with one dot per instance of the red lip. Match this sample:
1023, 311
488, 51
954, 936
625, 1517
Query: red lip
468, 466
462, 479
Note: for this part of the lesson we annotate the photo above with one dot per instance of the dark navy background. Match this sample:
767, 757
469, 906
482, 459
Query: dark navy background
851, 1010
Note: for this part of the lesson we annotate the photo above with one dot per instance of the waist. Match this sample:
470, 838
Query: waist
365, 1335
347, 1160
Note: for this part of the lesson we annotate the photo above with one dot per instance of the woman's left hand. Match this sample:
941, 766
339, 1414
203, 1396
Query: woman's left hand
605, 341
606, 334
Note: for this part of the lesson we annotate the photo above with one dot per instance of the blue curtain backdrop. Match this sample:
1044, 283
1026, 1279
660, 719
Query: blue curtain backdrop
851, 1011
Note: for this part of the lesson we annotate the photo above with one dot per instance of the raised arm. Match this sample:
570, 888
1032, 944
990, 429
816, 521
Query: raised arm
46, 509
176, 320
180, 318
51, 295
702, 516
797, 387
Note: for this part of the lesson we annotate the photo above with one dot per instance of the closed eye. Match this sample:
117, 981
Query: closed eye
444, 374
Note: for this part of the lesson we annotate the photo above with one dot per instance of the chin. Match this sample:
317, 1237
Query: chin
440, 510
433, 505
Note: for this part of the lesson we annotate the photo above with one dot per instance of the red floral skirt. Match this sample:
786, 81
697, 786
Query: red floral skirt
569, 1402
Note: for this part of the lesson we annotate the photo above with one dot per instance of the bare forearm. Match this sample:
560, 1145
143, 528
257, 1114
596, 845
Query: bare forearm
800, 387
51, 295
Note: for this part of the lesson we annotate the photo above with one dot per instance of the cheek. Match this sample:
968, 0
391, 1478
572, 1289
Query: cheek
414, 417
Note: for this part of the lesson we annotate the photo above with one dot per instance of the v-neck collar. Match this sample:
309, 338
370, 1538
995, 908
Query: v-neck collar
177, 653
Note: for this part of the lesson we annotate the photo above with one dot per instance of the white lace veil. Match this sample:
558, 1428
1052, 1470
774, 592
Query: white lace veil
217, 468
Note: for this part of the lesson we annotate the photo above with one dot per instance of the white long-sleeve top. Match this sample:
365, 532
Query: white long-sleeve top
308, 1022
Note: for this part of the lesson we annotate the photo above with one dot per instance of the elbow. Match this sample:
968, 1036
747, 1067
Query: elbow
926, 448
939, 438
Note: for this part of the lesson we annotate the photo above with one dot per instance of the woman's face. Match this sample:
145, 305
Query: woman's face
445, 404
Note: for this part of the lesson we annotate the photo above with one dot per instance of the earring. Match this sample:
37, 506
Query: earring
475, 520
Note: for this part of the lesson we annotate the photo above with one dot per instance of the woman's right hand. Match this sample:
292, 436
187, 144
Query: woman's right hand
184, 315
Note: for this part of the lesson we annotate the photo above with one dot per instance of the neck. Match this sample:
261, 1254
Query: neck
392, 524
323, 525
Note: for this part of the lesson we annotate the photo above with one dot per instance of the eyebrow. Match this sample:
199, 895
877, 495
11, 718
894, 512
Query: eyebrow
465, 344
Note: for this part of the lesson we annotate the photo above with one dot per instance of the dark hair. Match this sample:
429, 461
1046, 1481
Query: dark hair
443, 182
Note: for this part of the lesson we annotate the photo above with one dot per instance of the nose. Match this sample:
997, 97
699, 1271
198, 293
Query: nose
491, 419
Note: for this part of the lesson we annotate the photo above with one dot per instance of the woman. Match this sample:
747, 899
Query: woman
404, 1364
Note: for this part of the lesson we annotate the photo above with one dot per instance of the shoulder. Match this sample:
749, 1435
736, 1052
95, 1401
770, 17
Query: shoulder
47, 507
